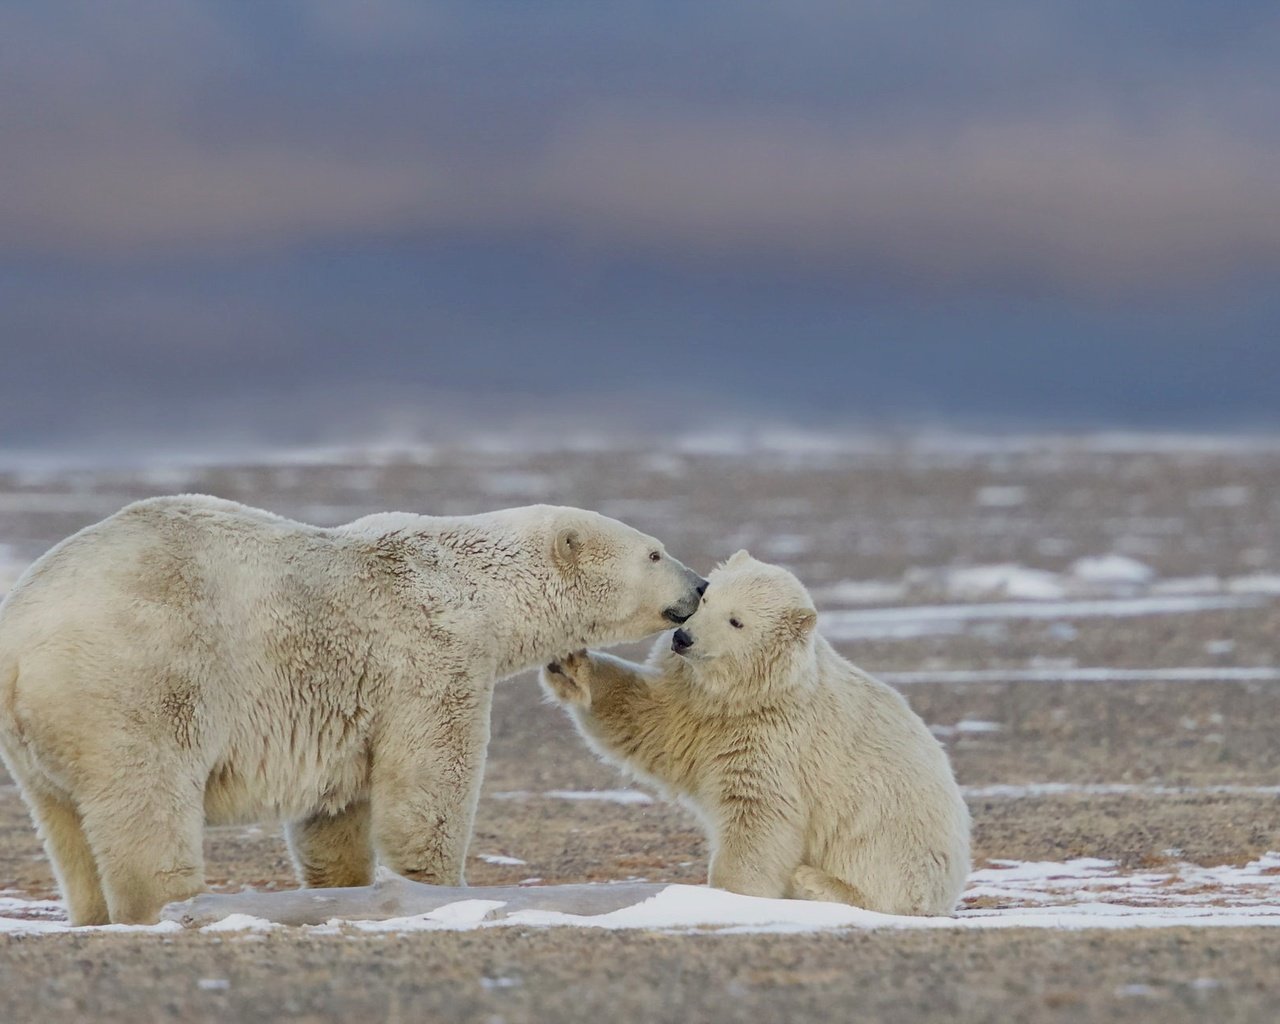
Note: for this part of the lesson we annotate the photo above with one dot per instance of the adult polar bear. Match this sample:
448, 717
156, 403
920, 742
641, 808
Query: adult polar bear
191, 659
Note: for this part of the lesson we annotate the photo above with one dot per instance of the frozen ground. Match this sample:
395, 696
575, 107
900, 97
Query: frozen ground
1090, 627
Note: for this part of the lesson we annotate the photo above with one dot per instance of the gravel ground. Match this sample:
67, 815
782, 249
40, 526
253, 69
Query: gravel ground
906, 516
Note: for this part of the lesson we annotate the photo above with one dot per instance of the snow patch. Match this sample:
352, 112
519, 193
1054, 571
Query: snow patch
925, 620
1100, 577
1083, 893
786, 545
968, 726
613, 796
1110, 569
1231, 496
859, 592
1000, 496
1014, 581
1260, 583
240, 923
497, 858
451, 917
961, 677
1033, 790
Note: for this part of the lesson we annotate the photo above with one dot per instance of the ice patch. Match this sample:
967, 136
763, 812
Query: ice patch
1187, 585
1100, 577
240, 923
1000, 496
968, 726
924, 620
612, 796
1207, 674
664, 464
1137, 989
1084, 893
451, 917
1110, 569
1033, 790
1080, 882
859, 592
1260, 583
1231, 496
1013, 581
784, 545
1005, 871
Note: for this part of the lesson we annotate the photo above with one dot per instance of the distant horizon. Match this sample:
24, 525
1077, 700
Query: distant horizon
727, 436
283, 223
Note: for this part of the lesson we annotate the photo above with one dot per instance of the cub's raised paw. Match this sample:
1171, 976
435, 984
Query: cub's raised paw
567, 679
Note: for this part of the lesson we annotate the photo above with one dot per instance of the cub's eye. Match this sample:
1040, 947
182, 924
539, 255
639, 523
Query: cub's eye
735, 623
655, 556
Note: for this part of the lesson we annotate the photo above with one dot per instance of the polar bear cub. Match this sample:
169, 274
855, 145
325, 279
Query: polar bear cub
813, 780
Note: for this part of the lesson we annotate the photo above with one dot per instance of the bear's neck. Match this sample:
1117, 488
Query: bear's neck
521, 598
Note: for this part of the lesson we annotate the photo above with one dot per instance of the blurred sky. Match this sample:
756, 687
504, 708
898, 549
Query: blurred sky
305, 220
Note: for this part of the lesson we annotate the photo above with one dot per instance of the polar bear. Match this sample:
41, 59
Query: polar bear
193, 660
812, 779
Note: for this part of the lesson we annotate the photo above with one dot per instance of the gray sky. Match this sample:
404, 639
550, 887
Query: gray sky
337, 217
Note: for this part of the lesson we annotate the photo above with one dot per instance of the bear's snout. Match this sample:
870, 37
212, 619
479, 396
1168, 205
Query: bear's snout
687, 605
681, 641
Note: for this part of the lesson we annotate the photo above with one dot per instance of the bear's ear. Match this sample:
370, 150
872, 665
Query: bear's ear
568, 546
737, 558
800, 621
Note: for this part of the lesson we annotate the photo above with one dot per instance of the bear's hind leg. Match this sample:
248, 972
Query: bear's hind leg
333, 850
809, 883
62, 831
147, 835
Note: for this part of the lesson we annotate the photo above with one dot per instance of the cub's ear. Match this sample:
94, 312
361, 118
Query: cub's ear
801, 622
737, 558
568, 546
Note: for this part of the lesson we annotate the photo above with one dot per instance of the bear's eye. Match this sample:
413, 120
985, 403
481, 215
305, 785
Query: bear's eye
655, 556
735, 623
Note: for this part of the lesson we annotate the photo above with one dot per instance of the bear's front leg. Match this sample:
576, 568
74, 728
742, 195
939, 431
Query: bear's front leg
756, 854
428, 763
568, 679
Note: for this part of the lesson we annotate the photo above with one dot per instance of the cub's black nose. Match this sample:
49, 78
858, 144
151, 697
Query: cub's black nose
702, 587
681, 641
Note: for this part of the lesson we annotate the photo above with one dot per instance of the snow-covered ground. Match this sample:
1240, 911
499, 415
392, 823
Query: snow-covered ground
1075, 894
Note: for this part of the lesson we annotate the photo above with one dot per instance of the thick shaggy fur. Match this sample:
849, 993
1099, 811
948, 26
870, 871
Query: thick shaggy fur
191, 659
813, 779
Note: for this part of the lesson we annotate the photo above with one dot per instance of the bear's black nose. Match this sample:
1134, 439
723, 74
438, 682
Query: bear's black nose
681, 641
702, 587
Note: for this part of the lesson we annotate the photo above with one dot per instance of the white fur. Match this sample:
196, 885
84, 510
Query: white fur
813, 779
191, 659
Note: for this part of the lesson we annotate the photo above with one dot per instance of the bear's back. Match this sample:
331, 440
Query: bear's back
163, 550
